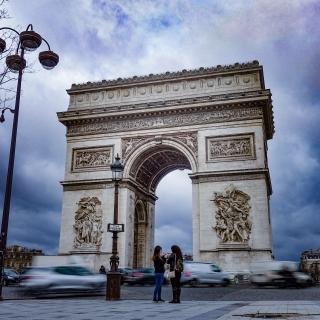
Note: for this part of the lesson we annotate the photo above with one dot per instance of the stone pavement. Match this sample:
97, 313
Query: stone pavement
88, 309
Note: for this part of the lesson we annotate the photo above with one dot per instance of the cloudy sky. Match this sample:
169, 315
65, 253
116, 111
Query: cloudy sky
109, 39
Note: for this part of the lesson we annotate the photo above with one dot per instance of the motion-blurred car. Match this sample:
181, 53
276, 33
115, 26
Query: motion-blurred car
279, 274
10, 276
196, 273
125, 272
140, 276
61, 279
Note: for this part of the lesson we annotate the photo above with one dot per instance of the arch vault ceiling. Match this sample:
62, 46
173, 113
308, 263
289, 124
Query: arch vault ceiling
152, 165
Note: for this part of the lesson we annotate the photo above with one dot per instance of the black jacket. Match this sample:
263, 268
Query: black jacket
159, 263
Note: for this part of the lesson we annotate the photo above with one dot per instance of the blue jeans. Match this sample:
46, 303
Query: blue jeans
157, 290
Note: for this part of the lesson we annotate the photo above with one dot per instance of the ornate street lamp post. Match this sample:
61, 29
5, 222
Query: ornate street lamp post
28, 41
114, 276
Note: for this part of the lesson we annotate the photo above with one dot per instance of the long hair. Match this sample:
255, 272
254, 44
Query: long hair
156, 252
177, 251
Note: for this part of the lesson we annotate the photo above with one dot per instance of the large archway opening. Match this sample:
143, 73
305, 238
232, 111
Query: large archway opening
166, 221
173, 212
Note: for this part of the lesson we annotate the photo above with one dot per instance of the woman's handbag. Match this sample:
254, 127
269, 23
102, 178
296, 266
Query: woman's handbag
172, 274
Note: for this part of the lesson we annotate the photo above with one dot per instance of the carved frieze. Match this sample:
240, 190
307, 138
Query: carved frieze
189, 139
230, 148
88, 224
165, 120
232, 216
88, 159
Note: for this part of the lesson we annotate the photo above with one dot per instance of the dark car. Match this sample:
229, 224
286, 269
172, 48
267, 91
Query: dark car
140, 276
10, 277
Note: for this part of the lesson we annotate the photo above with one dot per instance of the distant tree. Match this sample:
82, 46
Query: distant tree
7, 83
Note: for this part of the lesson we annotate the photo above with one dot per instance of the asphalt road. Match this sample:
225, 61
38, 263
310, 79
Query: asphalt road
240, 292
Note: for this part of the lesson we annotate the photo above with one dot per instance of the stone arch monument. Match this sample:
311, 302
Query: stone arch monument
214, 121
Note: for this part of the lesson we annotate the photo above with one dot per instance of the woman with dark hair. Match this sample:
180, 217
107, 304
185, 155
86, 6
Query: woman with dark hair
159, 262
176, 264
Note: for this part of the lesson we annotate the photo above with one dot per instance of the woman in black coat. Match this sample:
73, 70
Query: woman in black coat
176, 264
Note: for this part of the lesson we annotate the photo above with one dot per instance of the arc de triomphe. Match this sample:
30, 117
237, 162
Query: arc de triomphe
213, 121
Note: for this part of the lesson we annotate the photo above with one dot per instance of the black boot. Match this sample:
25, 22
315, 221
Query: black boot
178, 294
174, 295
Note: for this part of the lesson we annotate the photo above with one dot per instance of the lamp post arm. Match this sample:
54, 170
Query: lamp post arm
46, 43
7, 28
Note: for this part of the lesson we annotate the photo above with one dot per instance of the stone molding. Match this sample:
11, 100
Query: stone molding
234, 248
85, 184
175, 118
167, 75
233, 175
79, 186
230, 148
188, 139
116, 108
166, 90
92, 159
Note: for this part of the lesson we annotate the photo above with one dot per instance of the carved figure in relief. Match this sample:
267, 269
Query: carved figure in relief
128, 146
88, 223
232, 216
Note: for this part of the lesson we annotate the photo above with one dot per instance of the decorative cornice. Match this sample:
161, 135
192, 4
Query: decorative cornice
166, 76
76, 185
137, 107
72, 185
176, 106
248, 249
168, 118
233, 175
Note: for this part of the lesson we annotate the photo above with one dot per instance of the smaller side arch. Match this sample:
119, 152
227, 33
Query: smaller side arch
140, 235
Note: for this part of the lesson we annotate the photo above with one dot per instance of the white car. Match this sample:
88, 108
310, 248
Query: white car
61, 279
196, 273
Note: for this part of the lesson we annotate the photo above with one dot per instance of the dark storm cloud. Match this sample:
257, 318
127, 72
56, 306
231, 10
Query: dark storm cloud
36, 200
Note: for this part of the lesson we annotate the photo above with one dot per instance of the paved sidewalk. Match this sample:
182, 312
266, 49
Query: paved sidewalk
87, 309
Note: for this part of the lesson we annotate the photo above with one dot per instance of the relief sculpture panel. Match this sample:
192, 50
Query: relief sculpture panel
91, 159
232, 217
88, 224
229, 148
